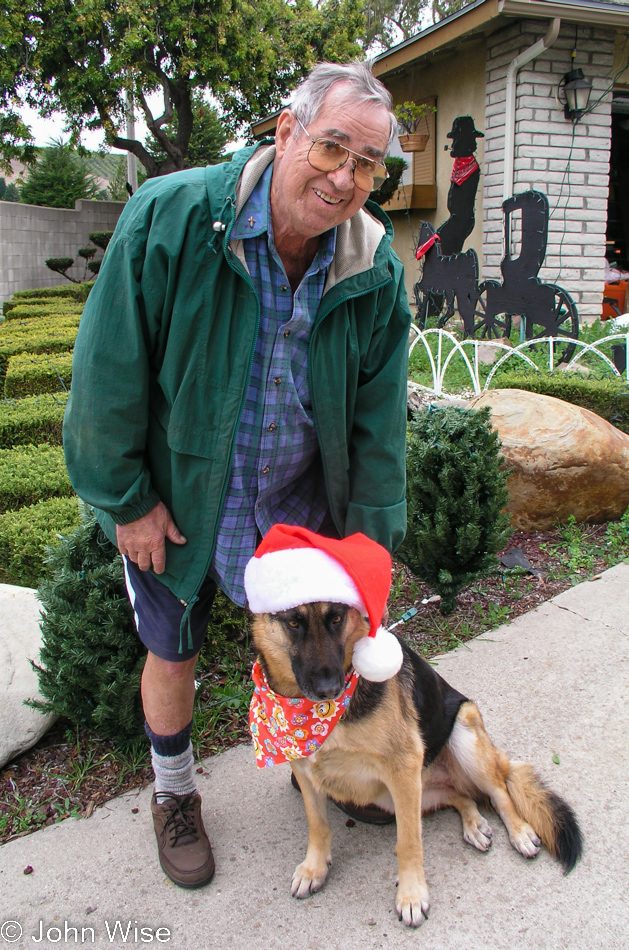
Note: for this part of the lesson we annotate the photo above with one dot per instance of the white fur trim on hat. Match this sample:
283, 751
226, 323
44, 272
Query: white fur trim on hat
283, 579
378, 658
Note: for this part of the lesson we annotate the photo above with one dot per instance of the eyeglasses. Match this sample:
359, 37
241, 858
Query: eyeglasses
326, 156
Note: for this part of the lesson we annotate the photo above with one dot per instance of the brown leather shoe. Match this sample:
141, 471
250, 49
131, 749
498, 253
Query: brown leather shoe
370, 814
184, 849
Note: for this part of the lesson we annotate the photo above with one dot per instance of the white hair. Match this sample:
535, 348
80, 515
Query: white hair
364, 89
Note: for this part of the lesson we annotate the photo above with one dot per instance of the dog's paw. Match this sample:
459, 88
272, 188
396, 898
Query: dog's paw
478, 833
412, 906
525, 841
308, 880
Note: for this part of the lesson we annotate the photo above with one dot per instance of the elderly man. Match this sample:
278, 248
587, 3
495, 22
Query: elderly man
241, 361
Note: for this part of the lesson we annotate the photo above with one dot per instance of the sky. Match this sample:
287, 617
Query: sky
44, 130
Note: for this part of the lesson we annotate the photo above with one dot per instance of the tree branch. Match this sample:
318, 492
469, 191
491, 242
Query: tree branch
136, 148
171, 150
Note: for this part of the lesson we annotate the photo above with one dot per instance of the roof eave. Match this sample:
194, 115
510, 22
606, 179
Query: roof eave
475, 17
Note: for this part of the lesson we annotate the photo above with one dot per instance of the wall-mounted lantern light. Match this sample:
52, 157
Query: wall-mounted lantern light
577, 90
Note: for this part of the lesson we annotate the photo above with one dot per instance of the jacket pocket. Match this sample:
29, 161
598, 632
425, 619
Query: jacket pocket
196, 425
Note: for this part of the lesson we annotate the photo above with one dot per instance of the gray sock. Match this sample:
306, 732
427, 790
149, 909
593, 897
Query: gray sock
173, 774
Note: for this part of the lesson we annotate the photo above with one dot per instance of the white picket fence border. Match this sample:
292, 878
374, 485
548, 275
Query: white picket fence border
439, 365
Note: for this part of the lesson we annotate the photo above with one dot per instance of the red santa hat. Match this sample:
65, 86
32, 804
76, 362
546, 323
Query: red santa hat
295, 566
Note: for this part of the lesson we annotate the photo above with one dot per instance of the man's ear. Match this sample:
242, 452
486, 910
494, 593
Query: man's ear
283, 132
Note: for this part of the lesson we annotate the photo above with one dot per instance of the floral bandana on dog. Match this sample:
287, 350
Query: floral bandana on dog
284, 728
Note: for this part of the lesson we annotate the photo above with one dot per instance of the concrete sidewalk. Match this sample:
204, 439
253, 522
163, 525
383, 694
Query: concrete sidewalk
554, 682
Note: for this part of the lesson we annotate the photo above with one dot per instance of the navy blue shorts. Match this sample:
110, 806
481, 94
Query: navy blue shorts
158, 614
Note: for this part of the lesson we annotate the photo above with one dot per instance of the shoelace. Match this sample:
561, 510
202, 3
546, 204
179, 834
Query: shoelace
180, 823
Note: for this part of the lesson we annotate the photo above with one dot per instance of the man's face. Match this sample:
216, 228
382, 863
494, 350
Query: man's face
307, 202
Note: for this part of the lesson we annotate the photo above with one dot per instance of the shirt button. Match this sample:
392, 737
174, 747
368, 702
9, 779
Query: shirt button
286, 332
272, 427
266, 470
277, 380
283, 287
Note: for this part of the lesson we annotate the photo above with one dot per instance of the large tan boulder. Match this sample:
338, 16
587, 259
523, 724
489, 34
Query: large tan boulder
20, 640
565, 460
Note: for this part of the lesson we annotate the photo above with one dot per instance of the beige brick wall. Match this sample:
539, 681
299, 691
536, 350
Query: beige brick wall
572, 172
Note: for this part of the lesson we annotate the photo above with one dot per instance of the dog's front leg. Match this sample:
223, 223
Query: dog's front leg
412, 902
310, 875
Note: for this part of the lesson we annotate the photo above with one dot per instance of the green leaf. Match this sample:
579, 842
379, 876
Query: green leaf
555, 758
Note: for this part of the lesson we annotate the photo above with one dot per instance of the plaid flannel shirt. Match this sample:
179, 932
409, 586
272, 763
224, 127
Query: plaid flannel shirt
276, 473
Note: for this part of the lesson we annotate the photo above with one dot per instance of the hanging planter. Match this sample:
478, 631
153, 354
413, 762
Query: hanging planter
413, 141
413, 125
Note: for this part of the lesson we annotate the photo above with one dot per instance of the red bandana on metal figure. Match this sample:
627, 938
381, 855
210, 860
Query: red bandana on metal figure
463, 168
285, 728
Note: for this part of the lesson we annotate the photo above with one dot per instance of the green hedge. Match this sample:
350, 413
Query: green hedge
608, 398
58, 338
32, 420
25, 535
44, 308
30, 473
77, 291
29, 374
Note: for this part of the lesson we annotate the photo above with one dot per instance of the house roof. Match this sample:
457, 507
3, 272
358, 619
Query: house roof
484, 16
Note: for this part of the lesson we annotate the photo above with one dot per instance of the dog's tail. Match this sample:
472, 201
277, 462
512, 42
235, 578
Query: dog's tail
552, 818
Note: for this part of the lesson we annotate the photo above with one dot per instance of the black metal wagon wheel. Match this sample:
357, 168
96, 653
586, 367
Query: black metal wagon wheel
487, 322
564, 325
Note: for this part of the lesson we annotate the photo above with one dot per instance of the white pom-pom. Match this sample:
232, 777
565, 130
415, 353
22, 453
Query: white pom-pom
378, 658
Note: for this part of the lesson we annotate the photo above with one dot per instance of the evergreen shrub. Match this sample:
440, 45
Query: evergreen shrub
91, 658
42, 309
608, 398
46, 338
30, 473
29, 374
26, 533
32, 420
101, 238
76, 291
456, 492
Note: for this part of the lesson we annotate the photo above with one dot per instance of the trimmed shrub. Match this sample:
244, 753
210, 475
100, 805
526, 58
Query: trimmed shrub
101, 238
44, 339
29, 374
456, 492
30, 473
608, 398
91, 657
33, 420
25, 534
77, 291
43, 309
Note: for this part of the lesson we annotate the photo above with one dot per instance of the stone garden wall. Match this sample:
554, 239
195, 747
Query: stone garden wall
30, 234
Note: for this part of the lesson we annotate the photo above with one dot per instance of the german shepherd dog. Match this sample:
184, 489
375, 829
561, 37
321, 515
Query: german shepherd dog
410, 744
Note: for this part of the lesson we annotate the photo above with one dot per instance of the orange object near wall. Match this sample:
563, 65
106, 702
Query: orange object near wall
618, 293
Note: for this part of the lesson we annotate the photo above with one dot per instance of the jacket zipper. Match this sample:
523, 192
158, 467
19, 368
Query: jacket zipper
248, 281
320, 318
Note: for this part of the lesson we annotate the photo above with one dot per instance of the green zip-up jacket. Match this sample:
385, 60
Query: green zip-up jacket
163, 356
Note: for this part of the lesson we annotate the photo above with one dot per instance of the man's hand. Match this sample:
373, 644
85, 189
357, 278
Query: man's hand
143, 540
